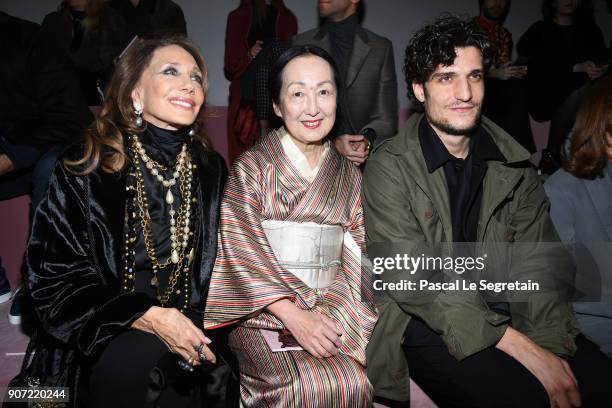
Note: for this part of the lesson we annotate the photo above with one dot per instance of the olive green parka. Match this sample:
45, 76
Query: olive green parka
406, 206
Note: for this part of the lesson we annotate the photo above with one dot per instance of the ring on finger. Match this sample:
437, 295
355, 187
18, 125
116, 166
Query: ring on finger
200, 350
202, 356
184, 366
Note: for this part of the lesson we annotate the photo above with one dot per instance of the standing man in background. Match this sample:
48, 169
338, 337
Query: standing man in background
367, 69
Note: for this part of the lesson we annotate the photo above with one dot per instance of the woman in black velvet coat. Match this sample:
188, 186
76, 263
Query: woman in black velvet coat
123, 245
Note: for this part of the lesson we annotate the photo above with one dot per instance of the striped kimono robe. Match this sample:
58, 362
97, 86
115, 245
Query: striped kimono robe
265, 184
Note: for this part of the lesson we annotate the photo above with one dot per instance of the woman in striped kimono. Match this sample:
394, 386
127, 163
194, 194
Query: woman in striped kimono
288, 269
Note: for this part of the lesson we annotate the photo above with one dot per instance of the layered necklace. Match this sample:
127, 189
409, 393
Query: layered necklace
181, 252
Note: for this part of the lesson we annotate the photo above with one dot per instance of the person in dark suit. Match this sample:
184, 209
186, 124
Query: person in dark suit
581, 208
93, 34
152, 18
41, 105
41, 111
367, 68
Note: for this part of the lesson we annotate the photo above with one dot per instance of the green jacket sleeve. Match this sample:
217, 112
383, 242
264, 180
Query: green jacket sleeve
463, 319
547, 318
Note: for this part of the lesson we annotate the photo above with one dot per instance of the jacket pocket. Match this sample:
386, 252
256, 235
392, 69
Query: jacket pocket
428, 218
499, 232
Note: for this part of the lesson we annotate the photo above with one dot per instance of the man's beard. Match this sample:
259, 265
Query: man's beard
452, 130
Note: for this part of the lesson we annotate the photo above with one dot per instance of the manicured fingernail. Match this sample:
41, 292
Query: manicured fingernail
207, 340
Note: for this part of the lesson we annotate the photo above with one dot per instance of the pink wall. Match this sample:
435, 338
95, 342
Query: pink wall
216, 126
13, 235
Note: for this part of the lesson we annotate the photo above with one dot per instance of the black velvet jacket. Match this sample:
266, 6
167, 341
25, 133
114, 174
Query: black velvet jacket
74, 267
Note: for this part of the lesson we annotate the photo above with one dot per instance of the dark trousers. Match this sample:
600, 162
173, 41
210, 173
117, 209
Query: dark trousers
33, 180
491, 378
137, 370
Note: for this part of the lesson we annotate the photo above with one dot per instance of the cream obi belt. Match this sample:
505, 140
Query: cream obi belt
312, 252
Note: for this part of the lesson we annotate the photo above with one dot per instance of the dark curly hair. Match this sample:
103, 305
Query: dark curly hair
435, 44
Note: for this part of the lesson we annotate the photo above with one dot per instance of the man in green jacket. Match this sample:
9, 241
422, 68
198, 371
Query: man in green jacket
452, 177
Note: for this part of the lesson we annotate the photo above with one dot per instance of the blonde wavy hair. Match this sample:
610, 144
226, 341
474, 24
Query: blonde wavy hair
104, 139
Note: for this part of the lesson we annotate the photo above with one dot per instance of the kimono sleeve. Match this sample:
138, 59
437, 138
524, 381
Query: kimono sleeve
247, 276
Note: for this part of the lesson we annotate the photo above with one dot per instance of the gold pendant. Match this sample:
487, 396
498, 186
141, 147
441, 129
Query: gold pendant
154, 281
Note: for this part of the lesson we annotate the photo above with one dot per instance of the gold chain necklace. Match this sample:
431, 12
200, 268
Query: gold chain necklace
180, 231
181, 224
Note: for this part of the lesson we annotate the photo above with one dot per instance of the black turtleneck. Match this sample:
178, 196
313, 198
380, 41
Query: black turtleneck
163, 146
342, 36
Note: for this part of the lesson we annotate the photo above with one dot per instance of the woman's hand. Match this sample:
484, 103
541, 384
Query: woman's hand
255, 49
507, 71
178, 333
316, 333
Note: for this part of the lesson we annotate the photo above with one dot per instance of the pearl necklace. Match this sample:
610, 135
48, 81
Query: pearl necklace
155, 168
180, 231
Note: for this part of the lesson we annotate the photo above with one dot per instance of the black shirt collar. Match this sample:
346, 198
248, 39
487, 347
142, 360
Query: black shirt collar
436, 154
